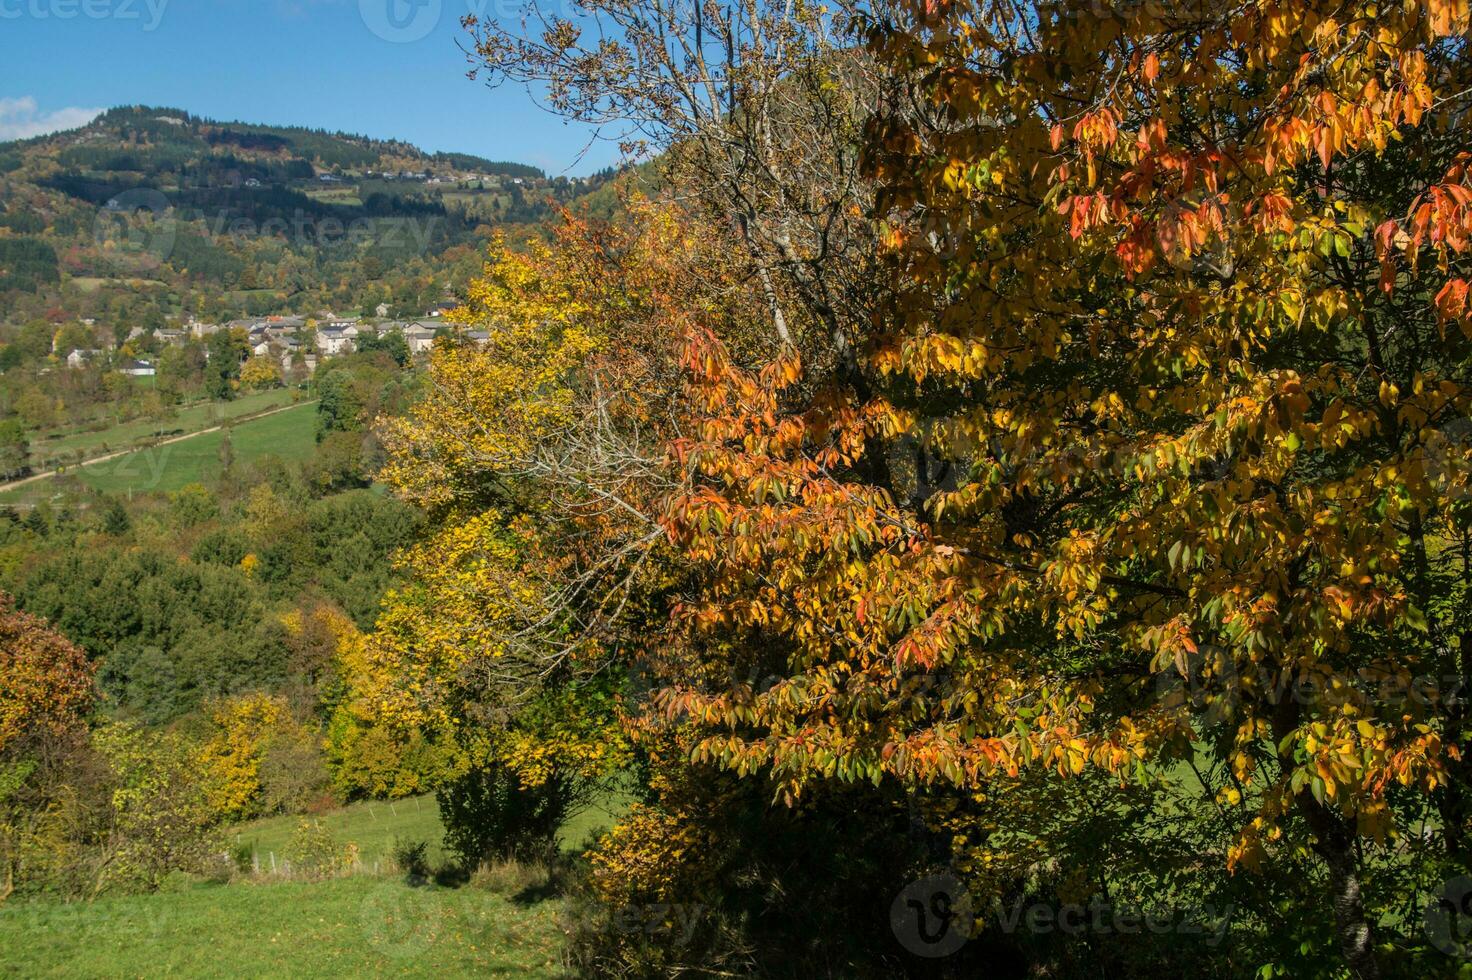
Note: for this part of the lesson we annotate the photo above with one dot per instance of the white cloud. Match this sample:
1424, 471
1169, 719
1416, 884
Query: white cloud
21, 118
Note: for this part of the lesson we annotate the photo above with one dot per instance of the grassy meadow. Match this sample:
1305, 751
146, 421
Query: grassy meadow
364, 924
374, 826
201, 415
340, 927
288, 434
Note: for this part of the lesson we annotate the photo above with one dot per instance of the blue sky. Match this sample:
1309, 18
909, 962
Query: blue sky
385, 68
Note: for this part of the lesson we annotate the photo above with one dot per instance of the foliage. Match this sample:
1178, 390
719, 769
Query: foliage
159, 815
525, 777
46, 691
314, 853
231, 758
45, 682
15, 450
193, 504
260, 372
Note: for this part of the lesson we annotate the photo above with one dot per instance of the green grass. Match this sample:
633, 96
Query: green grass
363, 925
290, 434
343, 927
90, 284
373, 826
190, 418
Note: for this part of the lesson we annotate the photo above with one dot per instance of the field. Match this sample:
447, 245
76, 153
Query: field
342, 927
374, 826
190, 418
367, 924
289, 434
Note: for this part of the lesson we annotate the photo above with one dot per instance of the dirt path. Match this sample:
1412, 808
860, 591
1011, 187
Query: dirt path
16, 484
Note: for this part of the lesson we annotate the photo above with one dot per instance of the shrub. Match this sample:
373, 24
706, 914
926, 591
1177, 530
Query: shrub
412, 858
489, 814
314, 853
243, 856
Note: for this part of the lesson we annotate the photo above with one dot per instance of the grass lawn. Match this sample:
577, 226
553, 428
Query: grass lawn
342, 927
362, 925
290, 434
375, 825
192, 417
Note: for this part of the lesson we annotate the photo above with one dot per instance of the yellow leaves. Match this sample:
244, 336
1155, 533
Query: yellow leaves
1250, 849
231, 759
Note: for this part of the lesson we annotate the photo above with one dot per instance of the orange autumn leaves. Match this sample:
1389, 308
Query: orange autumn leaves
46, 685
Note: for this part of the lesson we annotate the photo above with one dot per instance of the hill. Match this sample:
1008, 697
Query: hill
148, 214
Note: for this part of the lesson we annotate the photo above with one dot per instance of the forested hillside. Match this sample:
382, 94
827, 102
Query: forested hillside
151, 213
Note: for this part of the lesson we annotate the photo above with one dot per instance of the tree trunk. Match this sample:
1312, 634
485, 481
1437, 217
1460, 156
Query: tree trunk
1351, 929
1334, 842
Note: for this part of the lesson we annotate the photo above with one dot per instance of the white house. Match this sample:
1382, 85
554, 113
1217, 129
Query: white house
138, 369
330, 343
419, 337
81, 358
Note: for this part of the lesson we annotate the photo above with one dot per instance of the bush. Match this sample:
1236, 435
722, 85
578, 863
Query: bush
193, 504
314, 853
243, 856
488, 815
412, 858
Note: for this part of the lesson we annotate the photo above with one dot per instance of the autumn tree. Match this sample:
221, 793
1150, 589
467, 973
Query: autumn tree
46, 692
1162, 463
756, 109
260, 372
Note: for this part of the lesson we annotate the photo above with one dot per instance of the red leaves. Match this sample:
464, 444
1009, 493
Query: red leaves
1088, 211
1451, 302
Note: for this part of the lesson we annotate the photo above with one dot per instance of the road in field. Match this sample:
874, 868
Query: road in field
17, 484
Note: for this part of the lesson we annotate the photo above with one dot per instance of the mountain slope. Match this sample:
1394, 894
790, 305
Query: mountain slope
150, 213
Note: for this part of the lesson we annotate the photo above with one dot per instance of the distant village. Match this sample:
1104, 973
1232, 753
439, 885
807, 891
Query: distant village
293, 341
